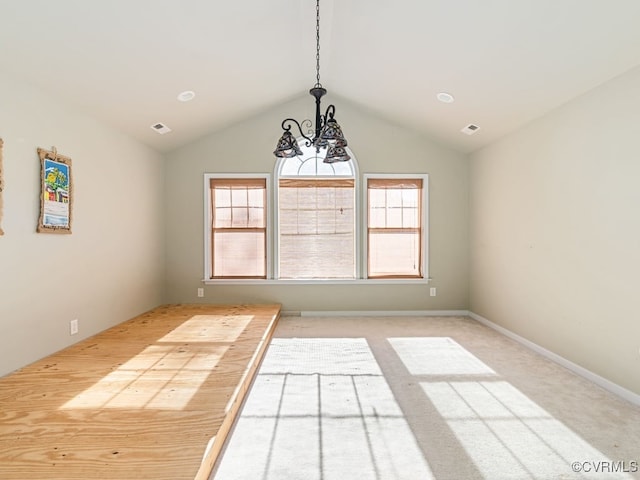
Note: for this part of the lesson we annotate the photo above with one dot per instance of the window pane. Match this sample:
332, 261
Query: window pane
222, 218
394, 217
313, 167
256, 218
239, 197
377, 217
394, 198
255, 197
290, 166
377, 198
410, 197
222, 197
342, 168
410, 218
239, 217
239, 254
392, 254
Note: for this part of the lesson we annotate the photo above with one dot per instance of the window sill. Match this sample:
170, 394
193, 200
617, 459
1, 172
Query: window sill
357, 281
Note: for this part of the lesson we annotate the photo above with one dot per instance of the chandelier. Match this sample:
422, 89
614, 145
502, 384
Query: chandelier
327, 133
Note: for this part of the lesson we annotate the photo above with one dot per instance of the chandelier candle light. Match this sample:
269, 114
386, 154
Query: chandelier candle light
327, 135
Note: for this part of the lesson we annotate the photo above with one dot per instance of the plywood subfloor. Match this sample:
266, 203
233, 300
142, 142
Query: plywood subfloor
152, 398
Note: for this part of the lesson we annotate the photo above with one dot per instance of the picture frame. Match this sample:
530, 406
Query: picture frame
56, 197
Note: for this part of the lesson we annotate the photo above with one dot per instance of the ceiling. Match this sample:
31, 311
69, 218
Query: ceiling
506, 62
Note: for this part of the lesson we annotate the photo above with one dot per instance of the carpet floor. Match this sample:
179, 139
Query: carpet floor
415, 398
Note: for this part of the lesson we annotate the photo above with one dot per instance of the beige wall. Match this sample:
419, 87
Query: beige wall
549, 213
112, 266
555, 231
379, 147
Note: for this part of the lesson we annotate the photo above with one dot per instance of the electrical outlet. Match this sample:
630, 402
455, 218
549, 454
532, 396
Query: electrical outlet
432, 291
73, 327
201, 292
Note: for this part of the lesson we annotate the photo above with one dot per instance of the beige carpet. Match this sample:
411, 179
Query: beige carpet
423, 398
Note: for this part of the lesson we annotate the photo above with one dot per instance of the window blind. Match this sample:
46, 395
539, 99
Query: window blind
316, 223
394, 230
239, 227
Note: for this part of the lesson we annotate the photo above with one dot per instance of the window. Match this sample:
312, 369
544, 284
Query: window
311, 225
396, 243
237, 214
316, 218
317, 228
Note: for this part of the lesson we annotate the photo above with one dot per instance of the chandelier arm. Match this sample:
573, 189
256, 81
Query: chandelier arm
321, 120
287, 128
329, 113
308, 124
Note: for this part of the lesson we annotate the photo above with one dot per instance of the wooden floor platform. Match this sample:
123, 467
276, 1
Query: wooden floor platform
152, 398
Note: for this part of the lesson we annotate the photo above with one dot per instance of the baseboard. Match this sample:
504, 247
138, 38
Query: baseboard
575, 368
384, 313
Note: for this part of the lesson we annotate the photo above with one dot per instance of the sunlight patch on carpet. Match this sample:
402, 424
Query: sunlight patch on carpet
320, 408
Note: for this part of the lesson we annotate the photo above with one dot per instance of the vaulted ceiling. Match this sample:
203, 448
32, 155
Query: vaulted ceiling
506, 62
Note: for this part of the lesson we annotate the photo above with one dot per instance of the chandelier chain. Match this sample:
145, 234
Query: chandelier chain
327, 134
318, 84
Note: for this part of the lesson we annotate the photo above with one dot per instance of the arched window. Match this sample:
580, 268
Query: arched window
316, 234
311, 224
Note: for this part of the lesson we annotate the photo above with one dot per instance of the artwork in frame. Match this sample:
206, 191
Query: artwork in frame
1, 188
56, 198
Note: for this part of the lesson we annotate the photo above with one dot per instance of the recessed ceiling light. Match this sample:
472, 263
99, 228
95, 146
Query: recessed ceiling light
445, 97
186, 96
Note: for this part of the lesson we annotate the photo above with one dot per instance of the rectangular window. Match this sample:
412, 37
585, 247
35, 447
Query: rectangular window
395, 227
238, 215
316, 228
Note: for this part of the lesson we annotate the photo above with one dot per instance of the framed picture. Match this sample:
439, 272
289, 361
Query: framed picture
1, 187
56, 198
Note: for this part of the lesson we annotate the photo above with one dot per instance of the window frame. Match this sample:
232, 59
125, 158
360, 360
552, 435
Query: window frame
208, 230
361, 228
424, 228
280, 165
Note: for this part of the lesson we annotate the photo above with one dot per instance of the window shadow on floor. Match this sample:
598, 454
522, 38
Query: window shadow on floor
406, 400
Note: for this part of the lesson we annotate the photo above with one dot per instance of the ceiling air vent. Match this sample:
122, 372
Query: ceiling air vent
470, 129
161, 128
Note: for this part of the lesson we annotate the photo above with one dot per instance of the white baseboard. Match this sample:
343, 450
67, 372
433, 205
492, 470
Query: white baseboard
384, 313
575, 368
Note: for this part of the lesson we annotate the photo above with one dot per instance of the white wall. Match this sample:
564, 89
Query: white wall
379, 147
555, 231
111, 267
